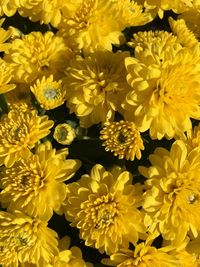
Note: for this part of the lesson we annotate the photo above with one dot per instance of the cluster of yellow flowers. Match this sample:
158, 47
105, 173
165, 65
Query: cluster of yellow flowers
100, 74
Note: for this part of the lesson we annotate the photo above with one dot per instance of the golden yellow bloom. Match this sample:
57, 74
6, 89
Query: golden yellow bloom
192, 138
144, 255
4, 36
161, 99
103, 206
161, 39
131, 13
49, 93
45, 11
92, 25
95, 86
68, 257
23, 239
123, 139
36, 55
192, 17
159, 6
64, 134
6, 75
35, 185
19, 132
171, 201
20, 98
8, 7
184, 35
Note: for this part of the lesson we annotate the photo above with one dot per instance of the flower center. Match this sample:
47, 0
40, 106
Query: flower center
62, 134
50, 93
192, 198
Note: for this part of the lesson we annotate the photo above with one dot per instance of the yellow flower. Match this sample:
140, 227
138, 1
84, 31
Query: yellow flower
8, 7
23, 239
69, 257
92, 25
36, 55
104, 207
64, 134
192, 138
159, 6
20, 98
171, 201
4, 36
131, 13
49, 93
19, 132
45, 11
161, 99
144, 255
35, 185
95, 86
192, 17
123, 139
163, 40
184, 35
6, 75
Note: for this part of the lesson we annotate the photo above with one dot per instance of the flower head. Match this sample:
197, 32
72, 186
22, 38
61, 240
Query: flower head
172, 197
92, 25
8, 8
184, 35
36, 55
95, 86
123, 139
144, 255
35, 185
103, 205
159, 6
161, 99
19, 132
45, 11
23, 239
192, 17
64, 134
49, 93
6, 75
69, 256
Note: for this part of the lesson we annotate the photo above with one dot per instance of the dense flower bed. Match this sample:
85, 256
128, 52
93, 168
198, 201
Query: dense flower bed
99, 133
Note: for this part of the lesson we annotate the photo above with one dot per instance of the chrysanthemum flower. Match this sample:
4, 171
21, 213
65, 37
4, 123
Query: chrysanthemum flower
171, 201
20, 98
184, 35
48, 92
68, 256
95, 86
8, 7
36, 55
123, 139
23, 239
64, 134
6, 75
35, 185
192, 138
159, 6
161, 99
19, 132
163, 40
131, 13
4, 36
103, 206
144, 255
45, 11
192, 18
92, 25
